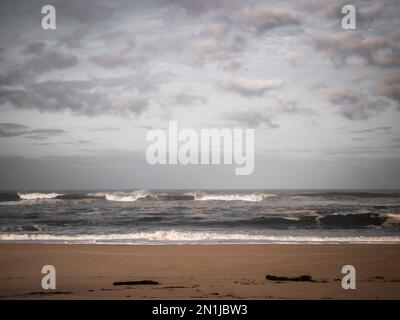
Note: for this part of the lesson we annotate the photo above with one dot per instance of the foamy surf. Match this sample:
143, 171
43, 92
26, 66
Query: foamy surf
198, 217
120, 196
250, 197
193, 237
38, 196
123, 197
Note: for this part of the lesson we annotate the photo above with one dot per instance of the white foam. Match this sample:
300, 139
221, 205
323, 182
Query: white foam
192, 237
392, 220
251, 197
126, 197
97, 194
38, 196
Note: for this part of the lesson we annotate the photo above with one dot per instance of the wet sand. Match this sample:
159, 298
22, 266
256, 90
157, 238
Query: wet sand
199, 271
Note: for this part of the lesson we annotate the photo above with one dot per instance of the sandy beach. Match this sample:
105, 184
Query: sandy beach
199, 271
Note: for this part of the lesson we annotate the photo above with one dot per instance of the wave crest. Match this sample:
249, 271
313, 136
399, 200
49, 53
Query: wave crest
126, 197
193, 237
250, 197
37, 196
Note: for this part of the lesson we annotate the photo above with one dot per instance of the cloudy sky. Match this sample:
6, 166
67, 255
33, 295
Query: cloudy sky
76, 102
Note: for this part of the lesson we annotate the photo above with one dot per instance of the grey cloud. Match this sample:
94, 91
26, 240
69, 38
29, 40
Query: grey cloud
380, 51
265, 115
83, 141
250, 87
102, 129
251, 119
12, 129
74, 39
128, 104
34, 48
196, 7
12, 77
339, 151
88, 12
141, 81
52, 61
383, 129
49, 61
353, 151
111, 35
390, 87
164, 45
149, 127
203, 51
356, 105
79, 97
110, 60
8, 130
43, 134
83, 97
78, 142
373, 12
215, 30
332, 10
264, 17
365, 12
219, 45
237, 43
87, 18
42, 144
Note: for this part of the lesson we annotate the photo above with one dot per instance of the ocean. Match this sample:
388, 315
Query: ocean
200, 216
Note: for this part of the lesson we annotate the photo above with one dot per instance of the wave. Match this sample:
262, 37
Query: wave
37, 196
9, 197
77, 196
392, 220
197, 196
306, 220
126, 197
251, 197
193, 237
354, 220
142, 195
256, 196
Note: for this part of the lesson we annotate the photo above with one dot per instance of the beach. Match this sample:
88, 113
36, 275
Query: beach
234, 271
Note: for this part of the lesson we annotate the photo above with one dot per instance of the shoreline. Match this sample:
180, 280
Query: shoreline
221, 271
195, 244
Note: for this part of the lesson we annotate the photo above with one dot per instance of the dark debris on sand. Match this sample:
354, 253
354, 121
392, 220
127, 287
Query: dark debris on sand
301, 278
133, 283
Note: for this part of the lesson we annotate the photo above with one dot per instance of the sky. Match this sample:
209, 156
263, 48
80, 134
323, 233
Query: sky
76, 102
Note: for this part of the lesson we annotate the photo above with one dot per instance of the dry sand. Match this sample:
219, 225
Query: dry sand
199, 272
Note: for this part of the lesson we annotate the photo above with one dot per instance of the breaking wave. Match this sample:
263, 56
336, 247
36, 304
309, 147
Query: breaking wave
392, 220
193, 237
146, 195
38, 196
376, 199
251, 197
126, 197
